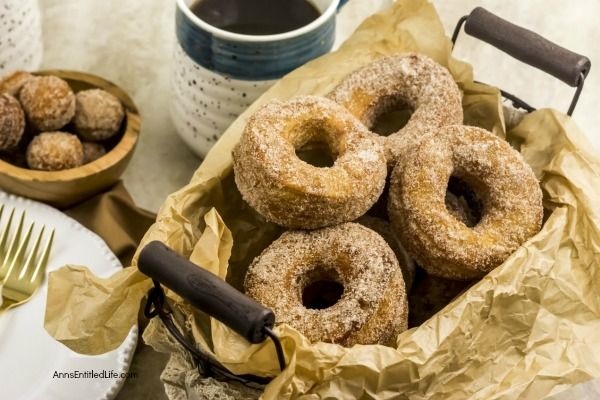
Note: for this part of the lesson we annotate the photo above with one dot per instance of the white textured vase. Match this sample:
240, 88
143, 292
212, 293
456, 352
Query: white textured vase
20, 35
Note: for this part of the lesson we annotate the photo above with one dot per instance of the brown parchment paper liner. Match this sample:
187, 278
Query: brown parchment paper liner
527, 330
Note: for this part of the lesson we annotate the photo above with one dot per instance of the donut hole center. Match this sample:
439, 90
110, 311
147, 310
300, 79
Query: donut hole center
316, 153
464, 201
317, 142
322, 290
390, 115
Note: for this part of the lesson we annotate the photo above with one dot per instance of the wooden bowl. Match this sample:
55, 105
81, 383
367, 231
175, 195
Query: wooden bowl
65, 188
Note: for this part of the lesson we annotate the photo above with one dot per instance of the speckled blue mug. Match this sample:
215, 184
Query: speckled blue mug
218, 74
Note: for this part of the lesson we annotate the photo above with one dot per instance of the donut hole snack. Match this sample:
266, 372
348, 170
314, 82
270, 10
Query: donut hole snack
55, 151
399, 98
12, 122
48, 101
36, 105
98, 115
293, 193
13, 82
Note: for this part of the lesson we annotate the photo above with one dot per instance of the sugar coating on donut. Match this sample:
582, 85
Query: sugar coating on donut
12, 122
507, 187
293, 193
384, 229
373, 307
456, 205
413, 80
48, 101
92, 151
98, 114
13, 82
54, 151
429, 293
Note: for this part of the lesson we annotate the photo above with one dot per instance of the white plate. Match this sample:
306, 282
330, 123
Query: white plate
29, 356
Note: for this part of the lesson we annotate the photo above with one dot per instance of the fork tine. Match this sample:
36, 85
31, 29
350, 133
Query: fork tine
6, 251
4, 236
17, 258
2, 232
14, 243
28, 265
40, 268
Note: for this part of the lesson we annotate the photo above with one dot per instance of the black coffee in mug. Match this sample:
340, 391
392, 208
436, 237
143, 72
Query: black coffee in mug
256, 17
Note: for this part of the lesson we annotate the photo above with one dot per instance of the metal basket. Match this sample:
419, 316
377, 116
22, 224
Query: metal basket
254, 322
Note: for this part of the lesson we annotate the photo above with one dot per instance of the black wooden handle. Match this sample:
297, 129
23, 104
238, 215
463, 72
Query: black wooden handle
206, 291
527, 46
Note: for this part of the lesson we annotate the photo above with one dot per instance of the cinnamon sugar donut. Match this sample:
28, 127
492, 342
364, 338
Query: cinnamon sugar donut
339, 284
409, 80
506, 186
428, 293
383, 228
293, 193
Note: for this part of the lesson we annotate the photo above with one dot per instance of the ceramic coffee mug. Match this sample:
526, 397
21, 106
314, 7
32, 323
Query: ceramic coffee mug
20, 35
217, 74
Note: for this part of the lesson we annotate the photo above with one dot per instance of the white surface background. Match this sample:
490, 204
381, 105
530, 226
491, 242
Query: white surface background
129, 42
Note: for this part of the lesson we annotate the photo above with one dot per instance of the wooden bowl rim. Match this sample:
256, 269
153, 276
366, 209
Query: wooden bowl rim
125, 145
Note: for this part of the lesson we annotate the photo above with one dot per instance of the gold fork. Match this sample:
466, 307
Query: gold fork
22, 275
7, 249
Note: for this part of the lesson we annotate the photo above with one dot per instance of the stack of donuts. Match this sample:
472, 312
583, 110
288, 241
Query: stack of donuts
459, 202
